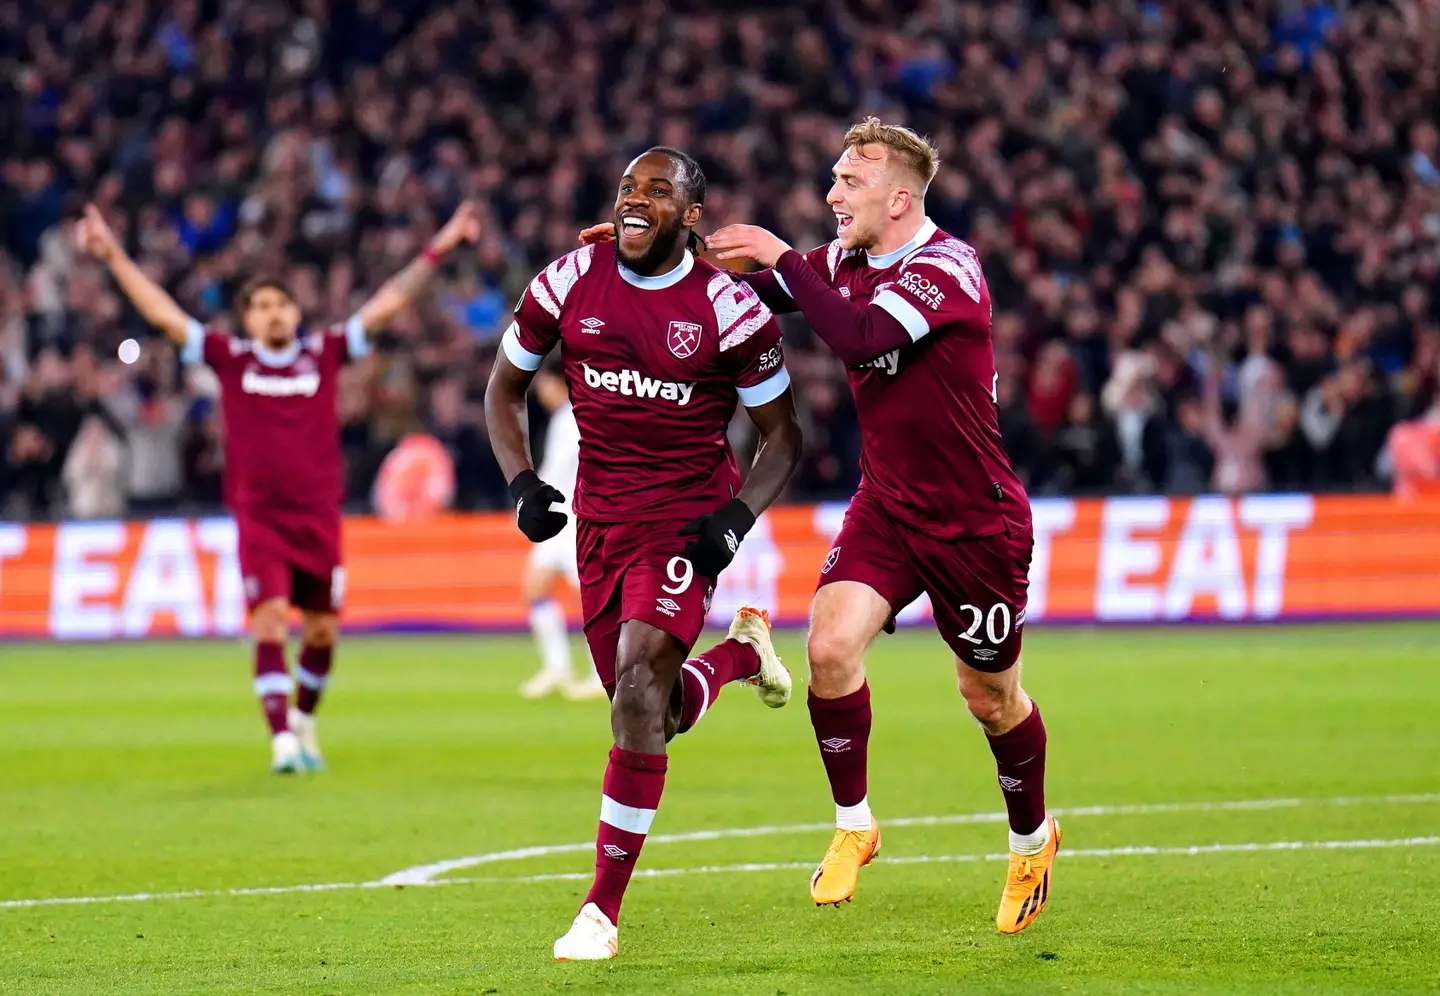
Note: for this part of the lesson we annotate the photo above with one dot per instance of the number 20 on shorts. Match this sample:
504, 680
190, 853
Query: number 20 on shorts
996, 622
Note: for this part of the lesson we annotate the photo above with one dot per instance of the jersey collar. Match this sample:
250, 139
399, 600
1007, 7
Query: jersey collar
661, 280
926, 233
277, 357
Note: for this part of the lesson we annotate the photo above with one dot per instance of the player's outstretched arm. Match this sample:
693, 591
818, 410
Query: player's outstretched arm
855, 333
397, 293
509, 427
149, 298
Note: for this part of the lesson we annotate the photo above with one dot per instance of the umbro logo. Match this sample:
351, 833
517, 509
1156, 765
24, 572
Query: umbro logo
667, 605
731, 541
592, 325
985, 653
836, 744
618, 853
1009, 784
844, 291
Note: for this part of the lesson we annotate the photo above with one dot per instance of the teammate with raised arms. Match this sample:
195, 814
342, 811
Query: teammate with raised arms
284, 477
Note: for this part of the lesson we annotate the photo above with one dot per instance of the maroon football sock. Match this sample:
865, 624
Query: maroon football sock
842, 728
312, 675
273, 685
705, 675
633, 783
1020, 761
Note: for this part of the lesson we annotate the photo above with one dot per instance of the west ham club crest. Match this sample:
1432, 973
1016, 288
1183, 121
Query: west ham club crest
684, 339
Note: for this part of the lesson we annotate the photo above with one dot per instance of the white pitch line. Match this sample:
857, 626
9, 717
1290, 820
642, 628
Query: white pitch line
1193, 850
143, 897
423, 874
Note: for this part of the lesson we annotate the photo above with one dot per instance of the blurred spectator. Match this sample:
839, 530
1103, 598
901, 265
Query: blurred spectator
1236, 434
46, 421
1133, 404
1345, 419
1051, 386
94, 473
1018, 432
1188, 460
151, 421
478, 478
830, 466
203, 454
1086, 455
1289, 462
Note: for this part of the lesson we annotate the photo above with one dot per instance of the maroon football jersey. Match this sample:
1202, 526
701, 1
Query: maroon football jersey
655, 366
282, 432
930, 432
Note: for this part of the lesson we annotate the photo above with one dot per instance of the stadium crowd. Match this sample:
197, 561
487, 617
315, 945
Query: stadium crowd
1211, 230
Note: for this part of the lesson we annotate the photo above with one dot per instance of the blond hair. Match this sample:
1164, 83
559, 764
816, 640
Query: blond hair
910, 148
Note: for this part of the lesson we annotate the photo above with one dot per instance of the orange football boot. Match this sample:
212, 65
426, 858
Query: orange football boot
1027, 885
850, 850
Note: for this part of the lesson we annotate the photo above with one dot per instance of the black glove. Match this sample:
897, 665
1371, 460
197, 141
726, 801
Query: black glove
717, 537
533, 498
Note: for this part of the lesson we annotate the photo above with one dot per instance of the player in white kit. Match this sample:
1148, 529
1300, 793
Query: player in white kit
554, 559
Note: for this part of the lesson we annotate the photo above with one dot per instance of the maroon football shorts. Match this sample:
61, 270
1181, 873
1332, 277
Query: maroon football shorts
293, 561
977, 587
634, 570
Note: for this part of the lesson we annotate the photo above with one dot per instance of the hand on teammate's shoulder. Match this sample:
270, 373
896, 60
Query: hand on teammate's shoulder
603, 232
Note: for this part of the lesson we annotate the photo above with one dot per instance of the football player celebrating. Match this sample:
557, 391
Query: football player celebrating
657, 348
939, 509
284, 477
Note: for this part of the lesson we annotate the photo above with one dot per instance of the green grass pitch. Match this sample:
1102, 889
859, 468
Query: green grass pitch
141, 768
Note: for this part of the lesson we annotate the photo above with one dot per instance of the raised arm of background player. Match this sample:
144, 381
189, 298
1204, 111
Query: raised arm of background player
775, 460
855, 333
159, 309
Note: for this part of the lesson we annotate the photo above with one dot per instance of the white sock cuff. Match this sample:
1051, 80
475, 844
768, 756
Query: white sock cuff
315, 682
631, 819
856, 817
1031, 843
704, 690
273, 683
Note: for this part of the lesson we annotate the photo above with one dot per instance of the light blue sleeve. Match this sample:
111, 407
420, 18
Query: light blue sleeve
193, 352
766, 391
356, 341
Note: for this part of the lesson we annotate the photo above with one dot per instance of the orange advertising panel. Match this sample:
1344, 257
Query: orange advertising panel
1147, 559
